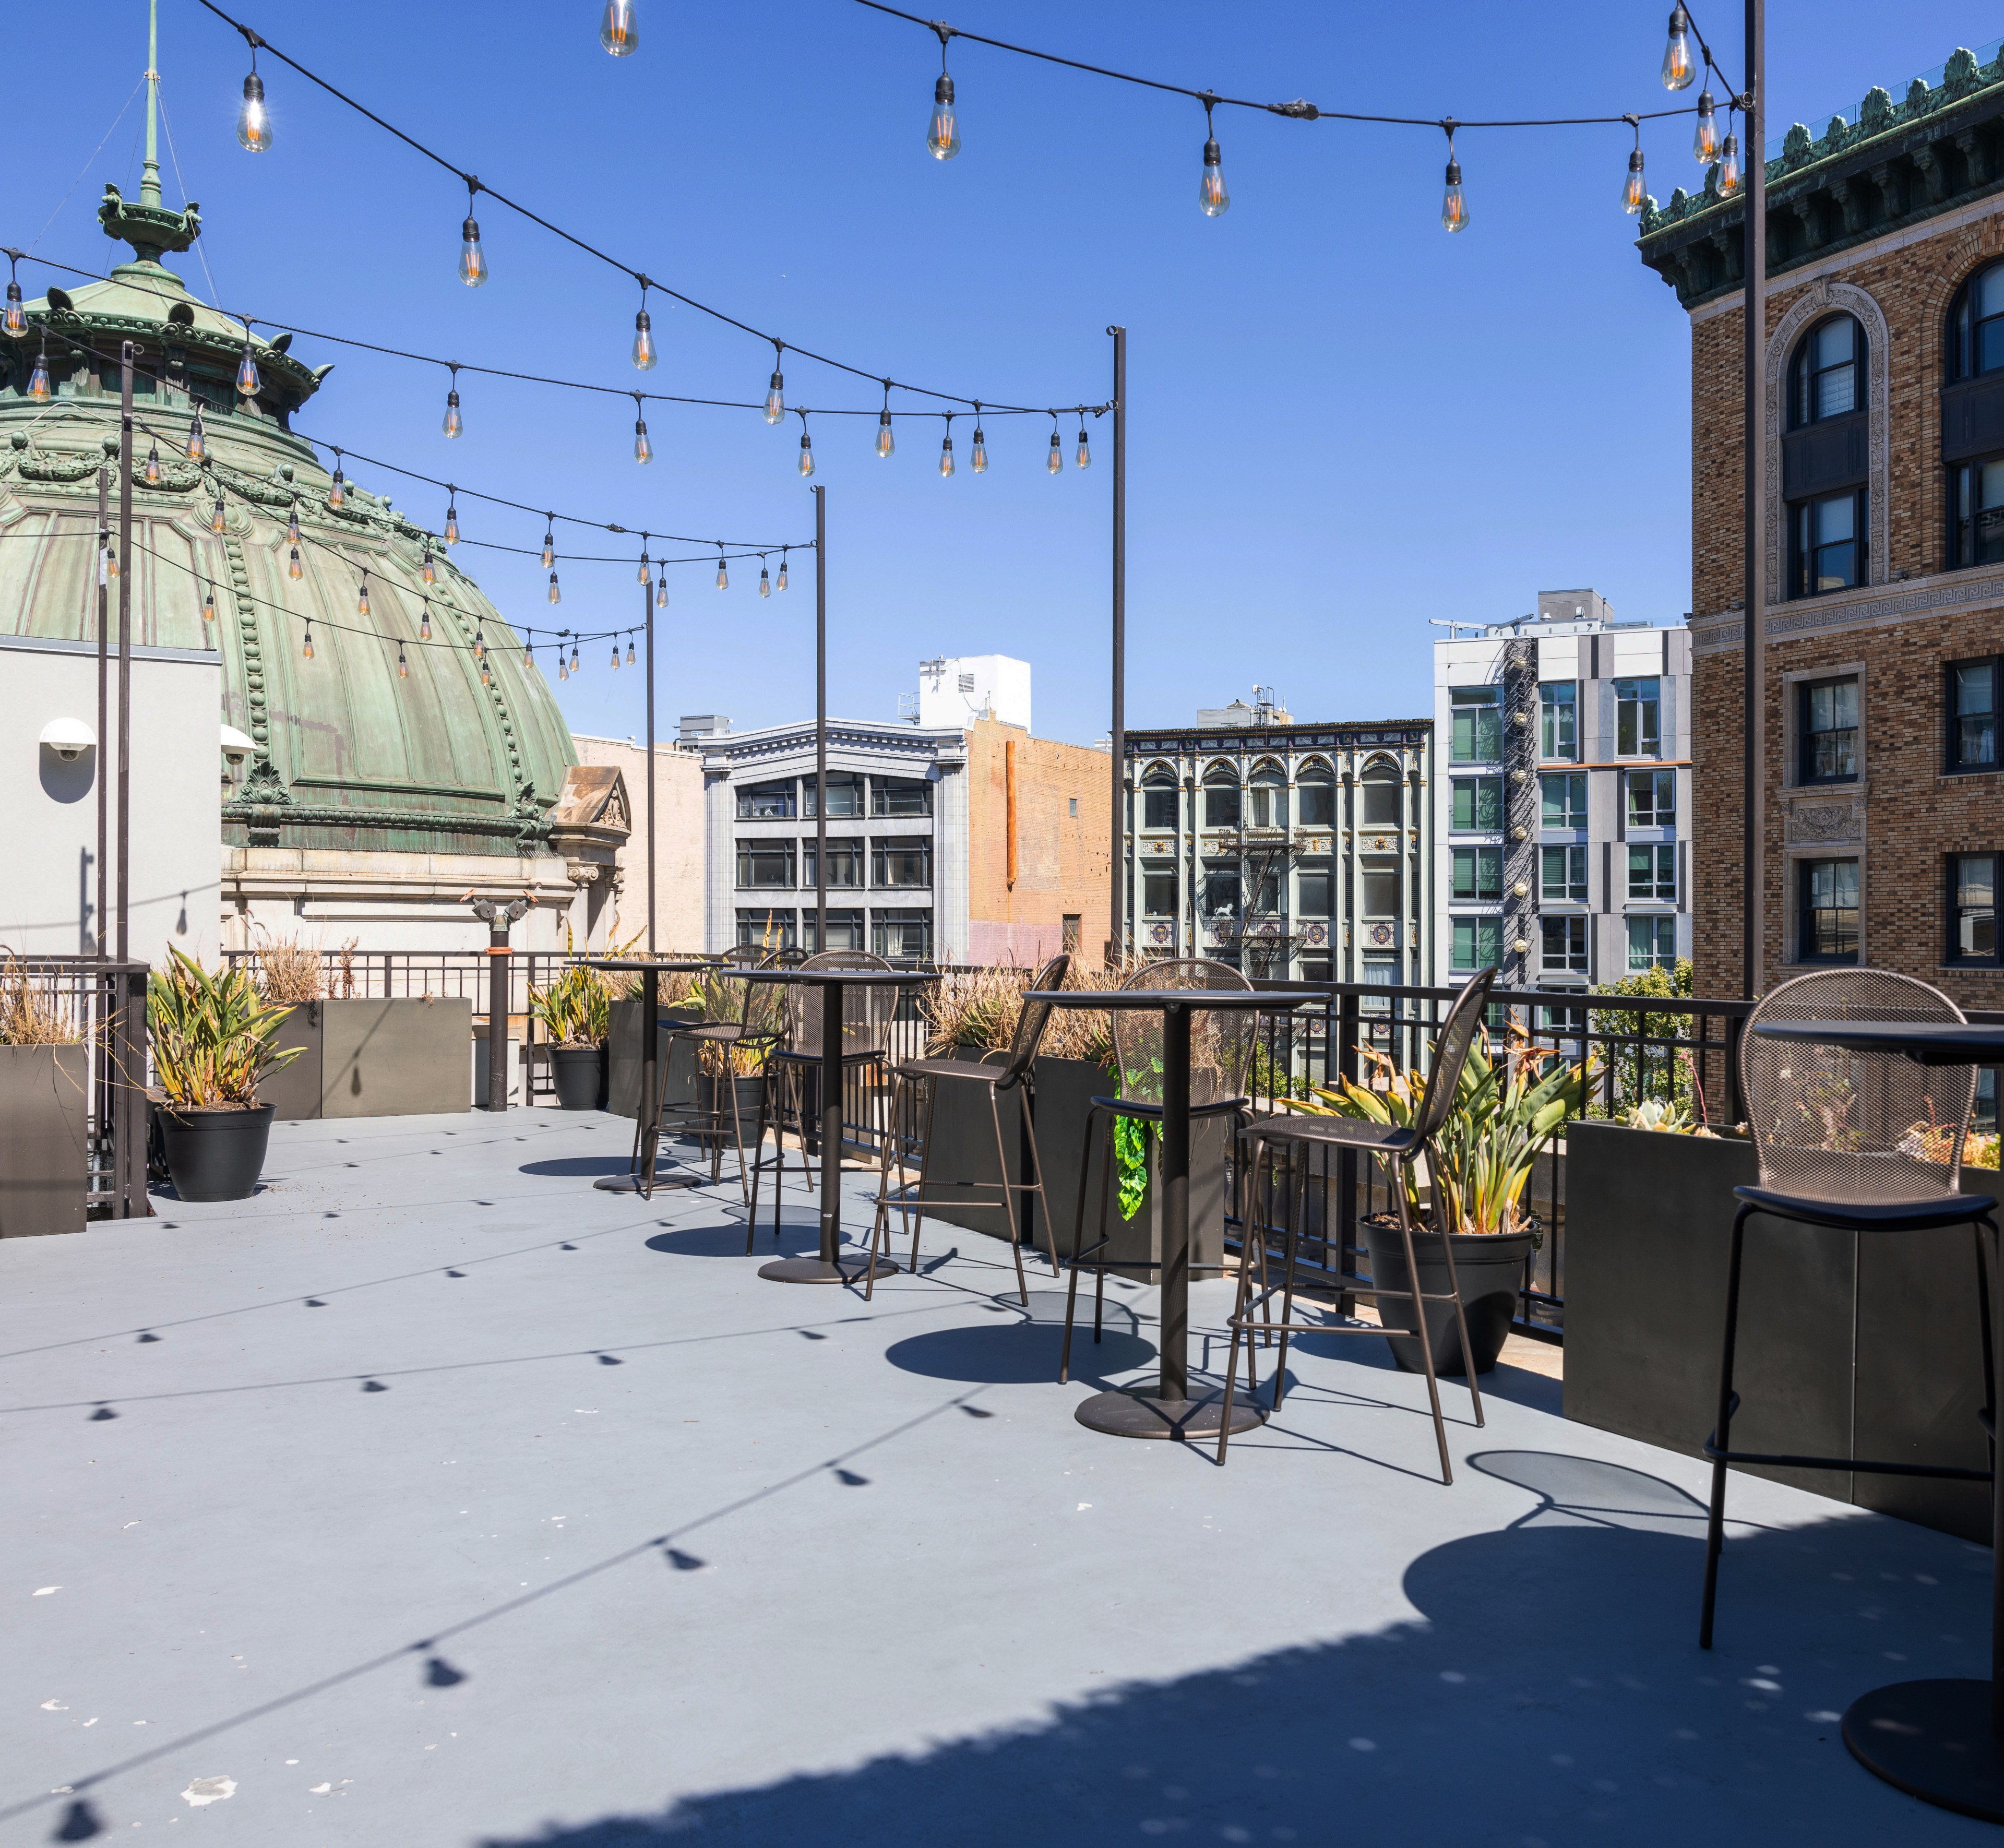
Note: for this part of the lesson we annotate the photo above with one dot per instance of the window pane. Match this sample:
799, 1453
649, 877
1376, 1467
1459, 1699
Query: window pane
1314, 894
1220, 804
1159, 893
1220, 891
1989, 292
1975, 713
1158, 808
1478, 875
1652, 942
1557, 711
765, 862
845, 863
901, 936
902, 862
766, 801
1381, 893
1478, 726
900, 795
1830, 731
1975, 906
1562, 874
1380, 802
1476, 943
768, 930
1478, 803
1318, 802
1565, 801
1565, 945
1834, 518
1829, 927
845, 794
1990, 346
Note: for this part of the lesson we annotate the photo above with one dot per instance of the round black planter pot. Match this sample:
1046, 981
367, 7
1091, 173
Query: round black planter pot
1491, 1269
216, 1154
579, 1073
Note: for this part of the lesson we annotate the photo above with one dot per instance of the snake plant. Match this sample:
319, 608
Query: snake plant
214, 1036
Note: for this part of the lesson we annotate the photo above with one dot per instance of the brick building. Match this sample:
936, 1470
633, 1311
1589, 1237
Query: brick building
1884, 414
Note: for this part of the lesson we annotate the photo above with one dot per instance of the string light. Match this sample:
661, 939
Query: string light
629, 647
1084, 454
153, 469
473, 267
479, 644
38, 380
619, 31
776, 388
217, 518
573, 657
1704, 140
886, 443
643, 450
1728, 167
293, 568
1054, 462
782, 568
807, 447
723, 575
450, 536
563, 673
486, 677
248, 383
452, 426
428, 570
764, 581
615, 654
336, 492
1679, 69
209, 603
1212, 198
1633, 197
644, 355
362, 599
403, 667
16, 321
646, 570
425, 621
661, 589
292, 523
529, 652
1454, 207
943, 132
253, 119
306, 651
110, 561
549, 540
555, 595
946, 451
977, 459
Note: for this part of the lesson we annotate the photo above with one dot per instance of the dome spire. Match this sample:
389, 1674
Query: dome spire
149, 227
149, 179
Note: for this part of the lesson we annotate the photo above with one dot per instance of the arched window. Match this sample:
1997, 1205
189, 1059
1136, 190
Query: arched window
1158, 796
1824, 459
1269, 798
1378, 794
1973, 421
1316, 787
1220, 797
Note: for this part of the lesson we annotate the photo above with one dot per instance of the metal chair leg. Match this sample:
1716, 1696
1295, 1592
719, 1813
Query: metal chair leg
1077, 1246
925, 1162
1714, 1530
1292, 1247
1420, 1318
1461, 1323
1983, 1309
1037, 1174
1100, 1262
1008, 1207
758, 1160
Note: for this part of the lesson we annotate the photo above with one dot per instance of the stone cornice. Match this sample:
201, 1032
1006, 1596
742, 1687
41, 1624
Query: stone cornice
1868, 607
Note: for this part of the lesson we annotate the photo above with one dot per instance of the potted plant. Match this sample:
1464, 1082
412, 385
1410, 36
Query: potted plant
575, 1010
44, 1109
1505, 1111
215, 1038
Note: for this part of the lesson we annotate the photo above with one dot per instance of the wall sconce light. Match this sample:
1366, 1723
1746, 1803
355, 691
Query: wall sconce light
1522, 890
236, 746
69, 738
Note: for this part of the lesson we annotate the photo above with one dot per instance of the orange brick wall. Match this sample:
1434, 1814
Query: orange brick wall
1062, 861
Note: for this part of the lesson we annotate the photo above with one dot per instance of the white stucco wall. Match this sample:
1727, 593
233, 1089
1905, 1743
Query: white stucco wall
679, 923
49, 886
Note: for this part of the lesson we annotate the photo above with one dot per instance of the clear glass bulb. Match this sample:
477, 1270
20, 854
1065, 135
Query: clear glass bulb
337, 491
886, 443
563, 672
17, 316
1211, 195
1054, 462
253, 119
776, 398
450, 536
248, 383
362, 599
293, 569
452, 425
977, 459
424, 625
479, 645
644, 355
486, 674
217, 518
307, 650
765, 583
943, 134
403, 666
38, 383
807, 453
293, 524
1679, 67
209, 605
110, 561
723, 575
197, 442
946, 457
1704, 139
472, 259
782, 573
615, 654
428, 570
630, 650
619, 31
555, 595
549, 548
1084, 458
645, 573
573, 657
1728, 167
153, 475
1633, 197
661, 589
643, 450
1454, 205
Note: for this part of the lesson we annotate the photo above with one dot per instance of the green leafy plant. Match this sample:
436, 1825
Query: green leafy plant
1505, 1110
1646, 1071
214, 1036
1131, 1138
576, 1009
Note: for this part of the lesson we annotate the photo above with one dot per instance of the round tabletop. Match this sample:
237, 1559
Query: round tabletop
1925, 1042
1122, 998
845, 978
640, 964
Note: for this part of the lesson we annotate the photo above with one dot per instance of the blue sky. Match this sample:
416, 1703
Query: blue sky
1343, 421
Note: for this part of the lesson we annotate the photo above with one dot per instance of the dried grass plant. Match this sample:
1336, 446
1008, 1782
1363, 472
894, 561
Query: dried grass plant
980, 1007
289, 972
31, 1013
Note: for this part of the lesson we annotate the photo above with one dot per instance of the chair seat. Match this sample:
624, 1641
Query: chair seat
1871, 1215
1349, 1132
786, 1055
1134, 1106
721, 1031
966, 1068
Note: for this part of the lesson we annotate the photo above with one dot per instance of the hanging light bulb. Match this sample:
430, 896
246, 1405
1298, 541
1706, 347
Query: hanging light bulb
629, 647
1213, 200
723, 575
1704, 139
776, 388
486, 674
253, 119
217, 517
886, 443
111, 562
1679, 67
336, 492
428, 571
38, 380
153, 469
1054, 462
942, 132
807, 448
450, 536
615, 654
1728, 167
563, 673
549, 540
293, 524
452, 425
946, 452
425, 622
555, 595
661, 589
293, 568
1084, 456
307, 650
473, 270
643, 450
977, 459
361, 597
644, 355
782, 584
1454, 206
208, 603
16, 322
248, 383
619, 31
479, 644
197, 441
403, 666
529, 652
1633, 197
646, 571
764, 581
573, 657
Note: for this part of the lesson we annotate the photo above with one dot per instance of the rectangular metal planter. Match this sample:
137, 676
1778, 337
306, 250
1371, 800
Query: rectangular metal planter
45, 1164
1851, 1344
623, 1061
405, 1057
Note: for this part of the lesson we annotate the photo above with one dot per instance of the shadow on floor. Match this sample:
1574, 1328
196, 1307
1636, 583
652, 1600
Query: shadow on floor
579, 1167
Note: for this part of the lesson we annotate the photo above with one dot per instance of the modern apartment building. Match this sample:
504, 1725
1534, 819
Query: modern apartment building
1286, 849
1562, 797
953, 842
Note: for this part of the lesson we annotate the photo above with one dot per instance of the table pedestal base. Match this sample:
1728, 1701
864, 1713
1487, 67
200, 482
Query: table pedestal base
628, 1183
1934, 1741
852, 1267
1139, 1414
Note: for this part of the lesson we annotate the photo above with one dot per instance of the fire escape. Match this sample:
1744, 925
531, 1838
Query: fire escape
1520, 940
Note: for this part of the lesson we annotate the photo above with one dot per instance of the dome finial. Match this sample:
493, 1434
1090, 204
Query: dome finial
149, 227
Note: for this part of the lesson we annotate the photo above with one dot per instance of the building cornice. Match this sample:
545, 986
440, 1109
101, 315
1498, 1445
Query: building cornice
1870, 606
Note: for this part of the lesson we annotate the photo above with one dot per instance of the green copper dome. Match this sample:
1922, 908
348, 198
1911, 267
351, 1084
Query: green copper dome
350, 754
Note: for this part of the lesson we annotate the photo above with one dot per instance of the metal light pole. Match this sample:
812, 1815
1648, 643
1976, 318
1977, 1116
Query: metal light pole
1117, 734
647, 611
1753, 856
104, 691
821, 718
125, 355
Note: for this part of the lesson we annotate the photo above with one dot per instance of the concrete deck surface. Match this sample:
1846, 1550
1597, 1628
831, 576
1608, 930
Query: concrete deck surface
432, 1499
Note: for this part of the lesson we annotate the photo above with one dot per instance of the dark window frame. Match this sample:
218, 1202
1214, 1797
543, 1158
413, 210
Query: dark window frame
1964, 335
1805, 738
1478, 858
883, 788
1953, 954
1801, 552
784, 790
1575, 781
1807, 933
1963, 553
884, 848
1952, 759
1660, 817
752, 848
1802, 414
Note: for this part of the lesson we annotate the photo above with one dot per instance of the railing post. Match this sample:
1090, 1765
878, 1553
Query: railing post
1345, 1048
131, 1097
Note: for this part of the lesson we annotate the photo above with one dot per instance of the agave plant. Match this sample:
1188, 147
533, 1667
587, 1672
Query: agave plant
1505, 1110
576, 1009
214, 1036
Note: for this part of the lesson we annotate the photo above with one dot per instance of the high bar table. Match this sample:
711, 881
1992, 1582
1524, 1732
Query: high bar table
640, 1177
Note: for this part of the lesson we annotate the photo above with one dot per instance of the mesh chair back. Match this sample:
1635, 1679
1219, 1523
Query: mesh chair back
866, 1012
1221, 1042
1856, 1127
1030, 1021
1457, 1034
745, 956
753, 1007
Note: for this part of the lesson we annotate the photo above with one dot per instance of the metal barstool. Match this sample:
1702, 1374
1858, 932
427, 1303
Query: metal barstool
996, 1072
739, 1016
793, 1062
1833, 1130
1221, 1044
1394, 1144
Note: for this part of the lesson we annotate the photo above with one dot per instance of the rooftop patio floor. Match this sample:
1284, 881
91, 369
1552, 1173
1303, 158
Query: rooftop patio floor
431, 1498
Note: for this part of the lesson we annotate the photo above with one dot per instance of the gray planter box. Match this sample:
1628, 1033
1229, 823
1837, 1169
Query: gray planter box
623, 1062
401, 1058
964, 1150
44, 1109
1851, 1344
